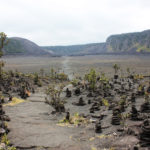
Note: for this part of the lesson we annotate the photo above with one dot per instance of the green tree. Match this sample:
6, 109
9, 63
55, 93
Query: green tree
3, 41
92, 79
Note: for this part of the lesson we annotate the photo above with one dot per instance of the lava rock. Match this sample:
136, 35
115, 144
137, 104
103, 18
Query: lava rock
116, 117
145, 134
68, 93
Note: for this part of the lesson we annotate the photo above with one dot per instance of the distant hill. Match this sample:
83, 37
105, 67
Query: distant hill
21, 46
138, 42
95, 48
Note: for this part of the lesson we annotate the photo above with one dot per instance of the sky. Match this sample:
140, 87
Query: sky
69, 22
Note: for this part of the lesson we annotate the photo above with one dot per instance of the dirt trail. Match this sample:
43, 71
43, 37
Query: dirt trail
66, 68
32, 127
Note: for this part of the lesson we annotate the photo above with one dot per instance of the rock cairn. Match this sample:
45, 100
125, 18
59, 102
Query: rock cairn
116, 116
145, 134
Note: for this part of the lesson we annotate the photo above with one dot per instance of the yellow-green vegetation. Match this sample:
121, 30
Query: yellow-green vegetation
74, 82
102, 137
103, 78
142, 48
93, 148
105, 102
138, 76
3, 41
62, 76
42, 72
5, 140
14, 101
54, 92
124, 117
55, 75
128, 71
91, 78
75, 120
122, 100
53, 97
37, 80
1, 95
52, 73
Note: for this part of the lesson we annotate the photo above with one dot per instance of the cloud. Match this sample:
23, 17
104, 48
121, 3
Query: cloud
65, 22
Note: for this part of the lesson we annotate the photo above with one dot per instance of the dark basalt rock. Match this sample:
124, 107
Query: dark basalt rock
68, 115
90, 94
145, 134
135, 148
10, 98
131, 77
77, 91
89, 101
81, 102
133, 98
130, 131
91, 110
134, 113
68, 93
122, 108
148, 90
98, 128
60, 108
145, 108
4, 118
116, 117
111, 106
2, 111
95, 107
2, 100
116, 76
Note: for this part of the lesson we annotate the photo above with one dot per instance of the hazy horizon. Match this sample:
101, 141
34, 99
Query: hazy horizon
70, 22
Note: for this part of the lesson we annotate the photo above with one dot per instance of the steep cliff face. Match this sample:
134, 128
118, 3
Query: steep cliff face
129, 42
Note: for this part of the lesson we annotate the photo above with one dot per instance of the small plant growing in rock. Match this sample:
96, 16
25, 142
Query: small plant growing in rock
62, 76
103, 78
76, 120
74, 82
105, 102
42, 72
116, 68
53, 98
52, 73
128, 71
5, 140
91, 77
37, 80
124, 117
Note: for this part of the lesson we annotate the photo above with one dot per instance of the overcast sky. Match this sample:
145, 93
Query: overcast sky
67, 22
